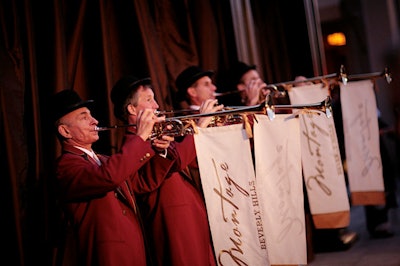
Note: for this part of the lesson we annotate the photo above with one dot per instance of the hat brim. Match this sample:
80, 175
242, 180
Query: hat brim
199, 75
251, 67
247, 68
144, 81
71, 108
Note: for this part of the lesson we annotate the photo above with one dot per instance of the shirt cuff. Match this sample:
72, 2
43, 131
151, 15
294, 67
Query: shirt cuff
163, 153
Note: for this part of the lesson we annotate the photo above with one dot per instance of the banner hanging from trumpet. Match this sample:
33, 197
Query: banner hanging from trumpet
361, 135
322, 164
229, 186
280, 188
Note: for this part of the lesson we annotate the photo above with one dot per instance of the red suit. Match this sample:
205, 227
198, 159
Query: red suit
176, 216
99, 201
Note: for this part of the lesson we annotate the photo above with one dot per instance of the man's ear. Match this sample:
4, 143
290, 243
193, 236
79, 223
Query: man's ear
241, 87
131, 109
192, 92
63, 130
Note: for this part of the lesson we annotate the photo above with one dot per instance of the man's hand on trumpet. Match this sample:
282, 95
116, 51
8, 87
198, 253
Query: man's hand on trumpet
145, 125
145, 122
252, 91
162, 143
208, 106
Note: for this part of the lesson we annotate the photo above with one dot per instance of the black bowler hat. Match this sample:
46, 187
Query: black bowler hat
65, 102
238, 70
122, 90
189, 76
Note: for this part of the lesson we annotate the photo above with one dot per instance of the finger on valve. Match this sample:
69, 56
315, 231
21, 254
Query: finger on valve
145, 123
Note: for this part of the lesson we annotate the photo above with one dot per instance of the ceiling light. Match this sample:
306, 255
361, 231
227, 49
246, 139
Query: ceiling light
336, 39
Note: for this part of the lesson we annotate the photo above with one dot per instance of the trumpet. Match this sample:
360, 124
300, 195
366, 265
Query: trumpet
184, 125
275, 91
170, 127
221, 94
324, 106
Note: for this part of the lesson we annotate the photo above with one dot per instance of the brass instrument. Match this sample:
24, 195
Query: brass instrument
184, 125
220, 94
324, 106
275, 92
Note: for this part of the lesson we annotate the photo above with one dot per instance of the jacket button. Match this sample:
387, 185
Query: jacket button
124, 212
147, 155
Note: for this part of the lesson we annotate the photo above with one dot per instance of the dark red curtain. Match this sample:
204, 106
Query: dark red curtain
46, 46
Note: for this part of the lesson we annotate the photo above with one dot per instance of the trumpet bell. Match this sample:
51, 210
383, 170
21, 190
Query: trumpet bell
324, 106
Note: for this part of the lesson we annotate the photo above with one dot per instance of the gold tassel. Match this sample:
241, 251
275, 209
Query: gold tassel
247, 126
194, 126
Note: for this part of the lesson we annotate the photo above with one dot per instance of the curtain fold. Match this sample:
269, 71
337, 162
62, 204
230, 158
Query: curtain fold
14, 149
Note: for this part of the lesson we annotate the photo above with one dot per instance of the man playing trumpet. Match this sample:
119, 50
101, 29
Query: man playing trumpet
195, 86
175, 216
247, 81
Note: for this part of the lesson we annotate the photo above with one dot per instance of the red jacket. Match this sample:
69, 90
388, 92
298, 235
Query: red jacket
176, 217
99, 206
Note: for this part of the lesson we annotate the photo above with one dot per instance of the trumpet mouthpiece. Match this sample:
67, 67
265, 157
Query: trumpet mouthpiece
161, 113
97, 128
219, 94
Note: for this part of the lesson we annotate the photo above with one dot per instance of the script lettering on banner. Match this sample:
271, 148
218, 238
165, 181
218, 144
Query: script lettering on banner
280, 188
361, 138
228, 180
322, 164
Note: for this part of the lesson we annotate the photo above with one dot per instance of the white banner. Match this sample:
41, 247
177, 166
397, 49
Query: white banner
308, 93
228, 180
361, 135
322, 164
280, 188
